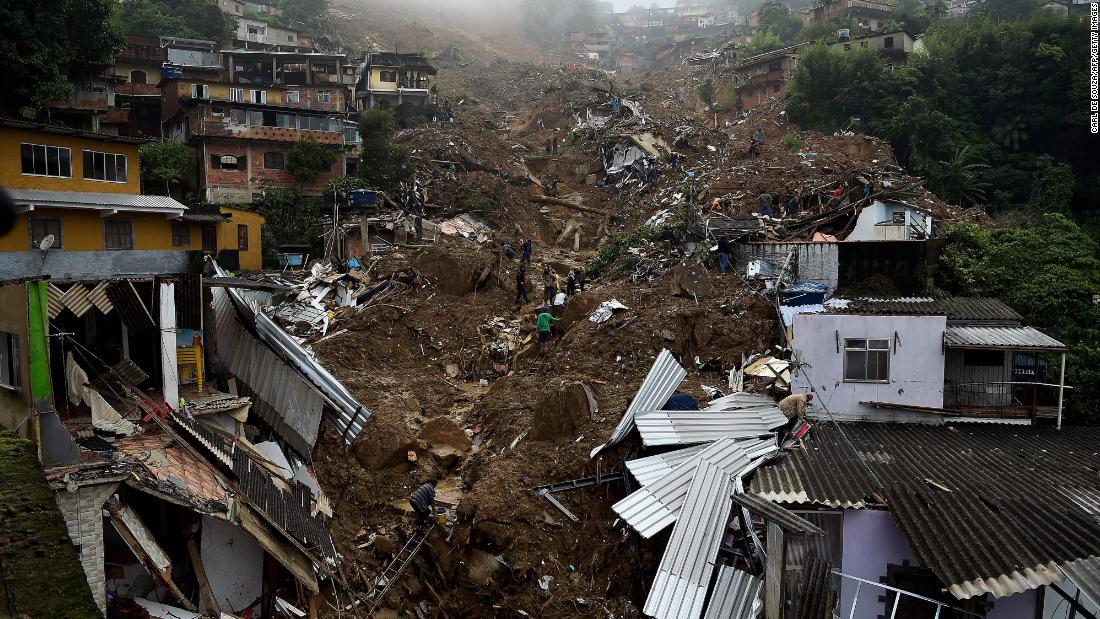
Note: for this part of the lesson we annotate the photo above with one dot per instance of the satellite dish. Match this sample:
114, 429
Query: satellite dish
47, 242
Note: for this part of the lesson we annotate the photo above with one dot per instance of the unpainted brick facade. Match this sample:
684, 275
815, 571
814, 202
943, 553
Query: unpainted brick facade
83, 513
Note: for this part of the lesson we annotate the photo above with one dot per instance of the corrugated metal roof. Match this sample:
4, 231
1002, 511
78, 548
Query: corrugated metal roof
659, 385
649, 469
1019, 499
736, 595
680, 586
958, 308
94, 199
280, 396
1008, 338
773, 512
1085, 573
654, 507
687, 427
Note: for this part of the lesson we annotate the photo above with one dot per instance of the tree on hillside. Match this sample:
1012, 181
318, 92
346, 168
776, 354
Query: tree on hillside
166, 164
307, 160
45, 42
777, 19
959, 179
193, 19
383, 164
1009, 9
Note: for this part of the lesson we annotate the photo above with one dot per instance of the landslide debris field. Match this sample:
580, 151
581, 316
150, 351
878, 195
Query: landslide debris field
449, 365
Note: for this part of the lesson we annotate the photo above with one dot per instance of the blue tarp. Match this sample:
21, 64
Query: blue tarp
681, 402
804, 293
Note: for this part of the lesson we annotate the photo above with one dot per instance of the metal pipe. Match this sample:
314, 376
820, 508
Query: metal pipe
1061, 390
913, 595
894, 610
855, 601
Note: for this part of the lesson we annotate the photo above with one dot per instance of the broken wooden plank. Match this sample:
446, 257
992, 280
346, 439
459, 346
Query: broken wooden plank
145, 547
207, 593
567, 204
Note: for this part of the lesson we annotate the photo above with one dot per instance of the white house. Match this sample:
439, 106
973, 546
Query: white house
926, 360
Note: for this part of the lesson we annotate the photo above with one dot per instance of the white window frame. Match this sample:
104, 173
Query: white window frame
47, 148
257, 96
236, 95
10, 359
113, 157
882, 346
200, 91
324, 96
292, 96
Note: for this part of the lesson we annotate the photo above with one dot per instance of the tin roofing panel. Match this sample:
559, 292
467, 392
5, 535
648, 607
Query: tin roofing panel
1085, 573
773, 512
955, 309
989, 509
687, 427
95, 199
736, 595
680, 587
649, 469
659, 385
1007, 338
654, 507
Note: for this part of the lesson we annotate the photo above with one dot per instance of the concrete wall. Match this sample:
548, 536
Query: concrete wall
236, 186
66, 265
871, 542
83, 513
276, 95
867, 226
16, 404
234, 564
82, 230
11, 166
916, 364
817, 262
250, 259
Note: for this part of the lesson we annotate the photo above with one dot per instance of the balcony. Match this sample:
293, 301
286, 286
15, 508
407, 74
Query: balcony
1002, 400
137, 90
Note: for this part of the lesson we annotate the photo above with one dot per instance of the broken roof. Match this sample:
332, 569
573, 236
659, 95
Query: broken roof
989, 509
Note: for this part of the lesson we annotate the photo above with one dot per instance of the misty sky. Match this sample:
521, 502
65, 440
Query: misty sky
622, 5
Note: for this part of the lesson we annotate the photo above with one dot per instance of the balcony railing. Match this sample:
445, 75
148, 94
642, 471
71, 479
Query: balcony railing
1002, 399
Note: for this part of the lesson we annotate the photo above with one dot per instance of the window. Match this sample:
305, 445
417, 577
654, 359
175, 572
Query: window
200, 91
775, 66
290, 37
777, 87
227, 162
286, 121
41, 227
273, 161
118, 234
387, 76
236, 94
138, 77
291, 96
867, 361
258, 96
351, 135
324, 96
42, 160
217, 112
238, 117
181, 235
104, 167
256, 118
242, 237
888, 42
9, 361
984, 358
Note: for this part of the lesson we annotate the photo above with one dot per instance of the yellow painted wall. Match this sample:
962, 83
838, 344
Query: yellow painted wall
83, 231
376, 82
252, 258
11, 171
220, 91
16, 405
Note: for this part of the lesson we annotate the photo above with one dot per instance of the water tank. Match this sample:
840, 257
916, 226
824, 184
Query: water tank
171, 73
843, 35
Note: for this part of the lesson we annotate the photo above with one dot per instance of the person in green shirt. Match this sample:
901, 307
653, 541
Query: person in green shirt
542, 325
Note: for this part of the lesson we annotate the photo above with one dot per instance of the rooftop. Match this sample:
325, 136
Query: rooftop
25, 125
96, 200
956, 309
987, 508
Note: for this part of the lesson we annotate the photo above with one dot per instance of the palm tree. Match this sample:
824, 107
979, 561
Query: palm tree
958, 180
1011, 133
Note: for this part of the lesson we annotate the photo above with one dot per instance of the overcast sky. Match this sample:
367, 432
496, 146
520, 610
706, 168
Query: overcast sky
622, 5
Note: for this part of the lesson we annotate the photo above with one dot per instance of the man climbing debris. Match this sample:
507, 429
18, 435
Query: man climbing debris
542, 325
549, 289
571, 283
423, 502
794, 405
549, 145
724, 250
521, 283
580, 278
766, 204
526, 248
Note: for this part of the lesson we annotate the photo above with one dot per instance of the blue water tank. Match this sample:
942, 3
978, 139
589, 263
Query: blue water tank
171, 73
362, 197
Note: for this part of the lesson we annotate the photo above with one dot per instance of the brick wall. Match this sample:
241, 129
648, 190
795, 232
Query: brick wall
235, 182
83, 513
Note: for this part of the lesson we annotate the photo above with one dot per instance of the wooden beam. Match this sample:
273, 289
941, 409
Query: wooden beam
773, 573
567, 204
246, 284
145, 548
208, 598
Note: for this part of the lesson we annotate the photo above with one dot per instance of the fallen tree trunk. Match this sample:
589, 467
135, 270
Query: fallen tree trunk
566, 204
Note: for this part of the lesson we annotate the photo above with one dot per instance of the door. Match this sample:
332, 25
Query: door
210, 239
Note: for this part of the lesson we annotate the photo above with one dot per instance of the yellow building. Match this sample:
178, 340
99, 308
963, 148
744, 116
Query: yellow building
78, 196
390, 80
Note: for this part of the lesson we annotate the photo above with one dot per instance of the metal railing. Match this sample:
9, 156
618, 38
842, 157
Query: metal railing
897, 598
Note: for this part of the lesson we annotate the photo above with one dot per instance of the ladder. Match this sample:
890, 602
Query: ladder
397, 566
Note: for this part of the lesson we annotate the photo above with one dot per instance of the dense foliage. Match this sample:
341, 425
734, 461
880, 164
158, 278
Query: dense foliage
45, 43
290, 218
193, 19
383, 164
307, 160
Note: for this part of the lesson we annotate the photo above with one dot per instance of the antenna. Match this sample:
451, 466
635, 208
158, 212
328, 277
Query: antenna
46, 243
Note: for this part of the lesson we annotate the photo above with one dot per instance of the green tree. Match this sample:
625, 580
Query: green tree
383, 164
290, 218
47, 42
1052, 191
195, 19
959, 179
705, 91
166, 163
778, 20
1009, 9
308, 159
761, 43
